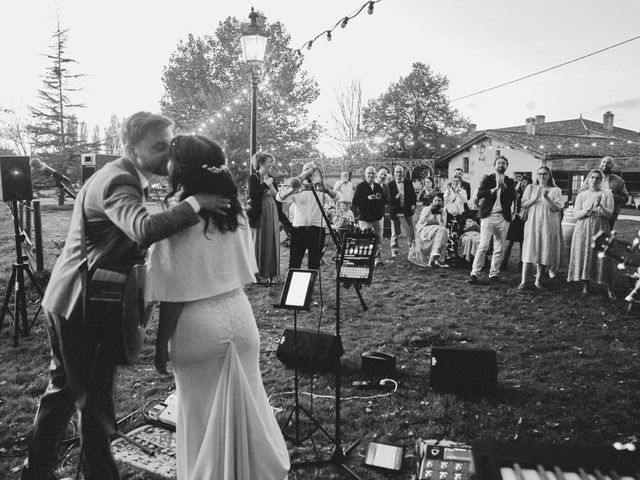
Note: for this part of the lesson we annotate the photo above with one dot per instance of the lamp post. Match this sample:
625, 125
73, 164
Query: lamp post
254, 44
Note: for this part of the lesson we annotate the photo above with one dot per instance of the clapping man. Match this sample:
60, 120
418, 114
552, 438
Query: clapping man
466, 186
344, 188
495, 195
402, 207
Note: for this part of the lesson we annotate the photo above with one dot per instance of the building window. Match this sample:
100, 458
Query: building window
497, 152
465, 164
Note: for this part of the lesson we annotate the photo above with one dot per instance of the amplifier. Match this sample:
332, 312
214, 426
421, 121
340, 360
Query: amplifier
464, 370
377, 365
315, 351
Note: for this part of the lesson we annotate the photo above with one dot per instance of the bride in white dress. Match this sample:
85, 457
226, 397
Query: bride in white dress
225, 428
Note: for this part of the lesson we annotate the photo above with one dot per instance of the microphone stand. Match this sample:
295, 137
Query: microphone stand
338, 455
61, 185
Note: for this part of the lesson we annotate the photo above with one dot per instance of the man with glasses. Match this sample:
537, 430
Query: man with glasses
495, 195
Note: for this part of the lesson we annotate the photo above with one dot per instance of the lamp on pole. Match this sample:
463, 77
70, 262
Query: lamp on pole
254, 44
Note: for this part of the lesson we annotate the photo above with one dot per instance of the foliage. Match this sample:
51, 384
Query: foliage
207, 91
414, 115
111, 137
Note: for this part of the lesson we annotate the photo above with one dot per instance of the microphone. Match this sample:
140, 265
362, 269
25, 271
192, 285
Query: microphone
38, 164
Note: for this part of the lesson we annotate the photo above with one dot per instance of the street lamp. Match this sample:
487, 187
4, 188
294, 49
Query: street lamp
254, 44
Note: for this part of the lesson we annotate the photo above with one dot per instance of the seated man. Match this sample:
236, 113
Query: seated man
429, 248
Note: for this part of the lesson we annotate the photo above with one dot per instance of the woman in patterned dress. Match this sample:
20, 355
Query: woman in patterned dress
592, 210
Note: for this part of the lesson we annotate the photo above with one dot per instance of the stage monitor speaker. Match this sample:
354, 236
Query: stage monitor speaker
467, 371
377, 365
90, 163
316, 352
15, 179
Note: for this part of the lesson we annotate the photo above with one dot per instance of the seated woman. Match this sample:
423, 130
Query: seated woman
469, 239
430, 245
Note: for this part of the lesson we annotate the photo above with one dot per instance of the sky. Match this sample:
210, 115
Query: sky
122, 47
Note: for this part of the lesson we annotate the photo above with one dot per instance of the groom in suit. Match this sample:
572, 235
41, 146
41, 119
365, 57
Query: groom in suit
118, 230
495, 194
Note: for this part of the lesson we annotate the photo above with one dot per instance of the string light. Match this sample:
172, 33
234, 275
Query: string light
343, 22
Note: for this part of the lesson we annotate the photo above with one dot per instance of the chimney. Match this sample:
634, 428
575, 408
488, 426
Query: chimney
539, 119
531, 126
607, 121
472, 128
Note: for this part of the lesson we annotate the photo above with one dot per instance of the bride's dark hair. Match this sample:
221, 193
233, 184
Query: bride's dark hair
190, 156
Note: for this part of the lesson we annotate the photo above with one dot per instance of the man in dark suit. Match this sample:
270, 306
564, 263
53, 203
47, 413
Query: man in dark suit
118, 228
403, 205
369, 199
459, 173
495, 194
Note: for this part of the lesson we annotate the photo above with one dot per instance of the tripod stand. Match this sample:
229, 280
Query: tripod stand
297, 409
16, 283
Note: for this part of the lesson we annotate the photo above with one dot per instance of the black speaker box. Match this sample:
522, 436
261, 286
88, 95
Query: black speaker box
467, 371
15, 179
377, 365
315, 352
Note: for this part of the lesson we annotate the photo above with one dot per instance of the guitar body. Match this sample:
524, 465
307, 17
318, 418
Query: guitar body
115, 305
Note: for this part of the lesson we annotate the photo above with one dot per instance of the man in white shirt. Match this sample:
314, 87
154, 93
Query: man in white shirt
308, 222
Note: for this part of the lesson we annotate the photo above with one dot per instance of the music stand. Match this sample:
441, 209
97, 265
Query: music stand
296, 296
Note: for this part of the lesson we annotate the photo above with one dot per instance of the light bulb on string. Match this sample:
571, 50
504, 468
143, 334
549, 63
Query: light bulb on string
345, 20
309, 44
370, 9
328, 35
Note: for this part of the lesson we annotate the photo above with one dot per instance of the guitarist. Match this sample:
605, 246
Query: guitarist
118, 229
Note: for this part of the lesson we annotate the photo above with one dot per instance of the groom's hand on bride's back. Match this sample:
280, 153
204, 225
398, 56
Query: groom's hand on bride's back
213, 203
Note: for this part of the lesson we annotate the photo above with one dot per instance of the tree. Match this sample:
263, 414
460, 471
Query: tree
414, 115
54, 112
207, 90
57, 136
111, 137
14, 132
347, 121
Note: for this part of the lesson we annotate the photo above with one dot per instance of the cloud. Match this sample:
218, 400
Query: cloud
622, 105
531, 106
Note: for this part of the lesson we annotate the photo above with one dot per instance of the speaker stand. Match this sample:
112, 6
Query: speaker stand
16, 283
294, 417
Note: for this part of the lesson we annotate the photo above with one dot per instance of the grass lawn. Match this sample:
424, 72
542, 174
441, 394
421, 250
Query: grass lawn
568, 366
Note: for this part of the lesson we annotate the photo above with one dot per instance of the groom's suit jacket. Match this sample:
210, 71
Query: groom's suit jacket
118, 230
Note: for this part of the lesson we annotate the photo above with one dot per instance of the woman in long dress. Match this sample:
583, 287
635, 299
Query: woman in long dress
542, 239
429, 248
225, 428
263, 218
592, 209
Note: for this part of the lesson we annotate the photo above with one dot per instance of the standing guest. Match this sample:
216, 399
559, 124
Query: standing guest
369, 199
428, 192
344, 188
402, 207
542, 241
118, 228
430, 245
516, 227
466, 186
614, 184
592, 209
495, 194
308, 222
225, 427
455, 198
263, 218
